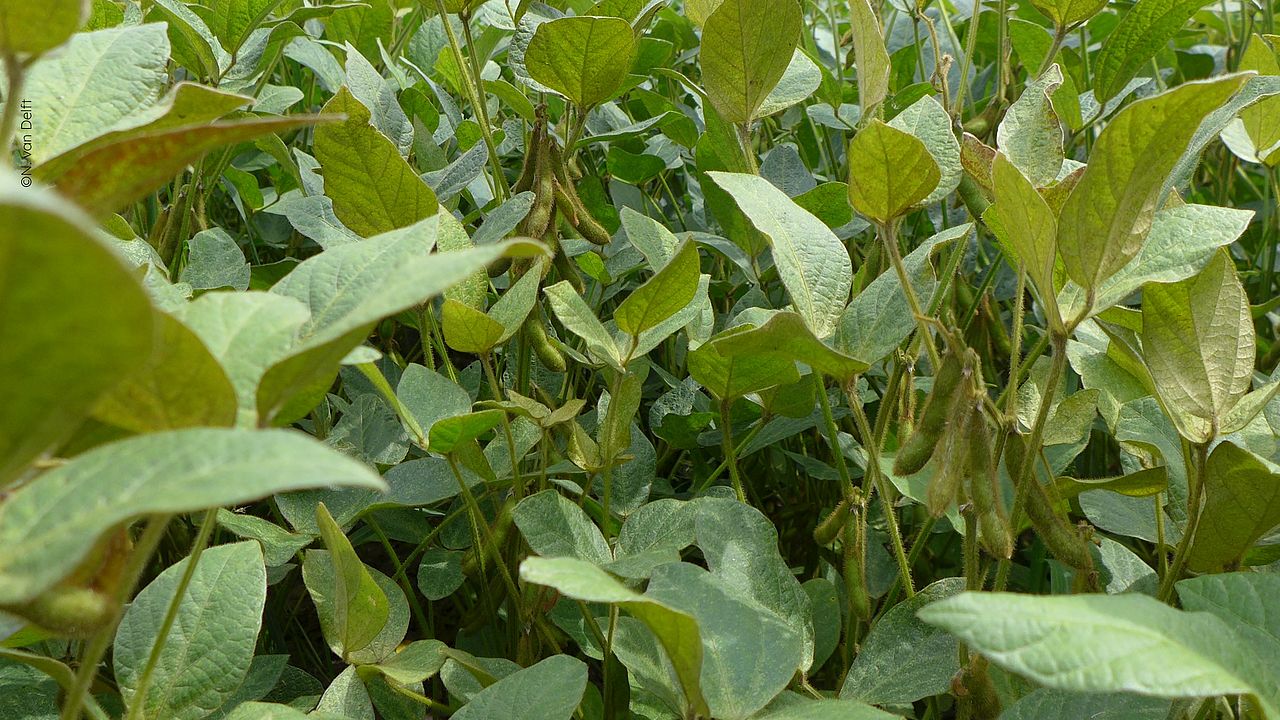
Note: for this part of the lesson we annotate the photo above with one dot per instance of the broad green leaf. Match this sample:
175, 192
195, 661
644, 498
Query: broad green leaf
467, 329
349, 289
802, 79
430, 396
275, 711
215, 261
91, 297
1107, 217
669, 290
746, 48
902, 659
179, 385
1101, 643
928, 121
555, 527
94, 83
584, 58
1068, 13
786, 334
247, 333
729, 376
374, 189
890, 171
699, 10
185, 105
1025, 225
414, 663
1242, 503
49, 525
352, 608
110, 177
1030, 135
812, 262
451, 433
802, 708
880, 317
1198, 343
1183, 239
677, 631
1046, 704
517, 302
28, 28
233, 20
748, 654
871, 56
1143, 31
194, 45
279, 546
347, 697
549, 690
1143, 483
578, 319
1245, 602
740, 546
210, 646
1261, 121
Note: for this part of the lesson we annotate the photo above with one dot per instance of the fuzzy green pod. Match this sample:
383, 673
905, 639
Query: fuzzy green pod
1060, 538
827, 530
548, 354
981, 486
855, 568
916, 451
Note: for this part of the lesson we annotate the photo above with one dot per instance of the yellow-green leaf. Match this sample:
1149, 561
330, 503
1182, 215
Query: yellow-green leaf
889, 172
746, 48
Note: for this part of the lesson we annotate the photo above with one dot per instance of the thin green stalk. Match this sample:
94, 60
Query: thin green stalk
470, 79
888, 233
495, 388
101, 640
484, 538
730, 453
882, 487
12, 104
1195, 494
171, 613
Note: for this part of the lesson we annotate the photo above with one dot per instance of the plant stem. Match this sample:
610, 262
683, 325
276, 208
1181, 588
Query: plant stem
882, 487
471, 86
1195, 494
97, 647
888, 233
12, 103
730, 453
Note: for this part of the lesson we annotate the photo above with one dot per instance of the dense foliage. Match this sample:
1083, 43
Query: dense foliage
661, 359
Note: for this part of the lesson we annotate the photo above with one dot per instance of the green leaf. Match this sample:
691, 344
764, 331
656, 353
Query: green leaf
802, 79
1025, 225
349, 289
746, 48
1183, 239
1245, 602
374, 189
578, 319
32, 28
749, 655
210, 646
902, 659
92, 297
812, 262
730, 376
871, 55
549, 690
95, 82
1030, 135
1046, 704
929, 122
108, 178
1198, 343
274, 711
880, 317
247, 333
180, 385
416, 662
352, 608
669, 290
786, 334
676, 630
805, 709
555, 527
1242, 503
1101, 643
1068, 13
347, 697
51, 524
1106, 218
232, 20
583, 57
185, 105
1259, 121
450, 433
467, 329
890, 171
1141, 33
430, 396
